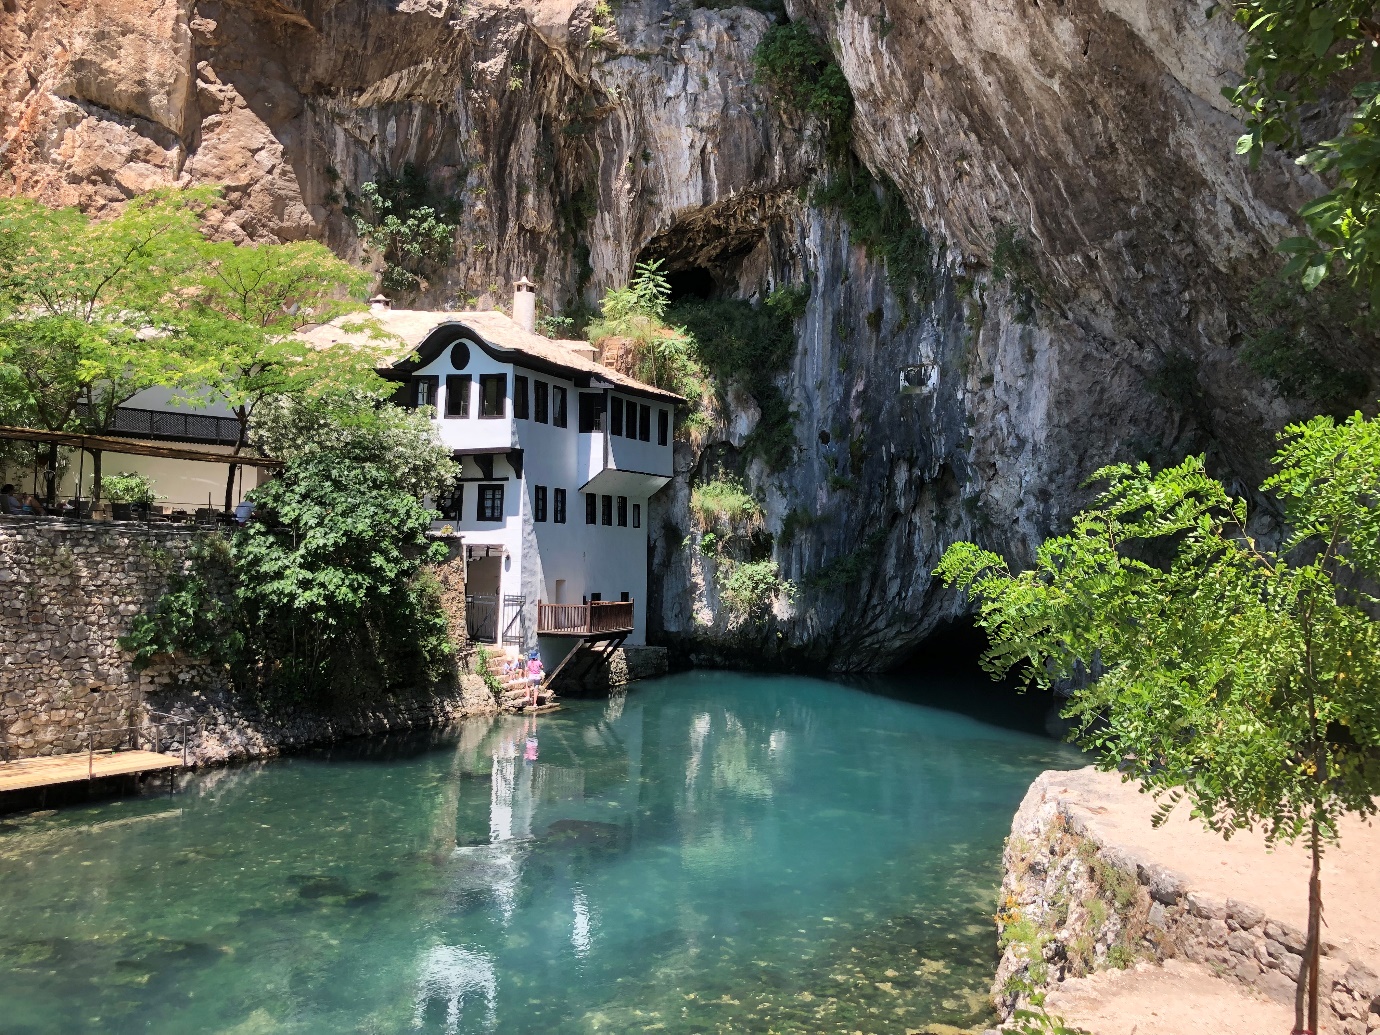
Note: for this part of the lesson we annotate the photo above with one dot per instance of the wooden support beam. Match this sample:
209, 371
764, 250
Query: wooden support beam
108, 444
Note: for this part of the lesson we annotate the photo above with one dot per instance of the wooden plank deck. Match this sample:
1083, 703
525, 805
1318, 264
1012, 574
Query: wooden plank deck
29, 773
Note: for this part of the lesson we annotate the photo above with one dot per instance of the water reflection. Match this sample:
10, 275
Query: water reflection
450, 973
707, 853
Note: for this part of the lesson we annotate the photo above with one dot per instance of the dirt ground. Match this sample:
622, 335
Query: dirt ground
1243, 868
1177, 998
1182, 998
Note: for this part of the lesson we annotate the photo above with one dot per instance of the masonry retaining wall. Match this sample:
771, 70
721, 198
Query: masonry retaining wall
67, 594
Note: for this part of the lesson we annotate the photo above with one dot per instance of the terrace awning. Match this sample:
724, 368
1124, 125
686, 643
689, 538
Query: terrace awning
108, 444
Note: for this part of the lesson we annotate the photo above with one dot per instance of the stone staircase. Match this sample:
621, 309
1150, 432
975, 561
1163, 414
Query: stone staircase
516, 694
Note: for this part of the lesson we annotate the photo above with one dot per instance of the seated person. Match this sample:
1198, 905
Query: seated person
9, 503
32, 505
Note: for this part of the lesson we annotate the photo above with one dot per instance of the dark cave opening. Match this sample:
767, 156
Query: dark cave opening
694, 282
944, 671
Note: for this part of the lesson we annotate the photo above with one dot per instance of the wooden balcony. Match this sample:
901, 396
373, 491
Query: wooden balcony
601, 618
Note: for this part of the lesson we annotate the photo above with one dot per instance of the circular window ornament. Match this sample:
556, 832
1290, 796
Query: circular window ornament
460, 355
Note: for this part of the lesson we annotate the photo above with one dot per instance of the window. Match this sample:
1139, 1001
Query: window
591, 412
606, 507
558, 406
539, 503
492, 390
490, 503
451, 503
663, 427
644, 423
625, 596
591, 509
539, 410
623, 511
520, 411
423, 391
458, 395
594, 598
615, 415
637, 515
558, 506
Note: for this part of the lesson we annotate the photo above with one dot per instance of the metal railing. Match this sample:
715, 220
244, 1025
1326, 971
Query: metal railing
600, 616
182, 426
124, 738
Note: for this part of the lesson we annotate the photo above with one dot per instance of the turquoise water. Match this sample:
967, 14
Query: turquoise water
713, 852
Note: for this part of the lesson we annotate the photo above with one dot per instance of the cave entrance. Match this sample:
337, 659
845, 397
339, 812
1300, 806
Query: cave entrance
693, 283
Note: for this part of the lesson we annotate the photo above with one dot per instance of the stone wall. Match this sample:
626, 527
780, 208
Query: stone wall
1077, 898
67, 593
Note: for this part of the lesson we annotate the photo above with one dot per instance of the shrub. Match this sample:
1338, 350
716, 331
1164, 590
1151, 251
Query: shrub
723, 502
747, 588
412, 228
128, 487
880, 221
797, 66
737, 343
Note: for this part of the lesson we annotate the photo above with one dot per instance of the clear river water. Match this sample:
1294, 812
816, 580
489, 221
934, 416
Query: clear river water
711, 852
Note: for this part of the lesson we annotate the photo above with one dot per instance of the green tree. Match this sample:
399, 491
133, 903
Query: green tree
400, 218
657, 353
244, 310
329, 585
1209, 666
87, 309
1300, 53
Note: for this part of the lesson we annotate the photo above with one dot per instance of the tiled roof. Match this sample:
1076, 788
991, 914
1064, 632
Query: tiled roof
413, 326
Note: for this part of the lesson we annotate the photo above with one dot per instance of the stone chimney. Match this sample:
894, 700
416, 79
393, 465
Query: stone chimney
525, 305
380, 304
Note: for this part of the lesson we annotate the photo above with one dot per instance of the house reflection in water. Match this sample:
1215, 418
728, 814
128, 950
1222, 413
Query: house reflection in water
550, 870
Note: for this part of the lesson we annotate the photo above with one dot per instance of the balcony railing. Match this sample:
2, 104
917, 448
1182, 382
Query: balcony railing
597, 618
179, 425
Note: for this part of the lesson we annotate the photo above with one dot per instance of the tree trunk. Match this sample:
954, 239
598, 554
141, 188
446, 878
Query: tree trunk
1312, 950
50, 478
234, 468
95, 477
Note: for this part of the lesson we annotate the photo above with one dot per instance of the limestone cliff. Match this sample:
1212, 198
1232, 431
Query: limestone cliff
577, 140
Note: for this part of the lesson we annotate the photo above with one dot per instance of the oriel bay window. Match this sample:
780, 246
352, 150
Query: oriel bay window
606, 506
490, 503
458, 395
493, 389
520, 411
558, 506
539, 408
558, 406
623, 511
591, 509
539, 503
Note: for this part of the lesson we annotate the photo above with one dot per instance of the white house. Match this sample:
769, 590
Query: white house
559, 457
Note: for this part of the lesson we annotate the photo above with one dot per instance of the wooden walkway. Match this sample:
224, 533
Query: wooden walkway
30, 773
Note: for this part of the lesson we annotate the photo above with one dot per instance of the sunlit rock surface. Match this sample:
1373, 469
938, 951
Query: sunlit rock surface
576, 143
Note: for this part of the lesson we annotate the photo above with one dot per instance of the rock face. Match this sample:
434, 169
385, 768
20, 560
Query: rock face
1087, 135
